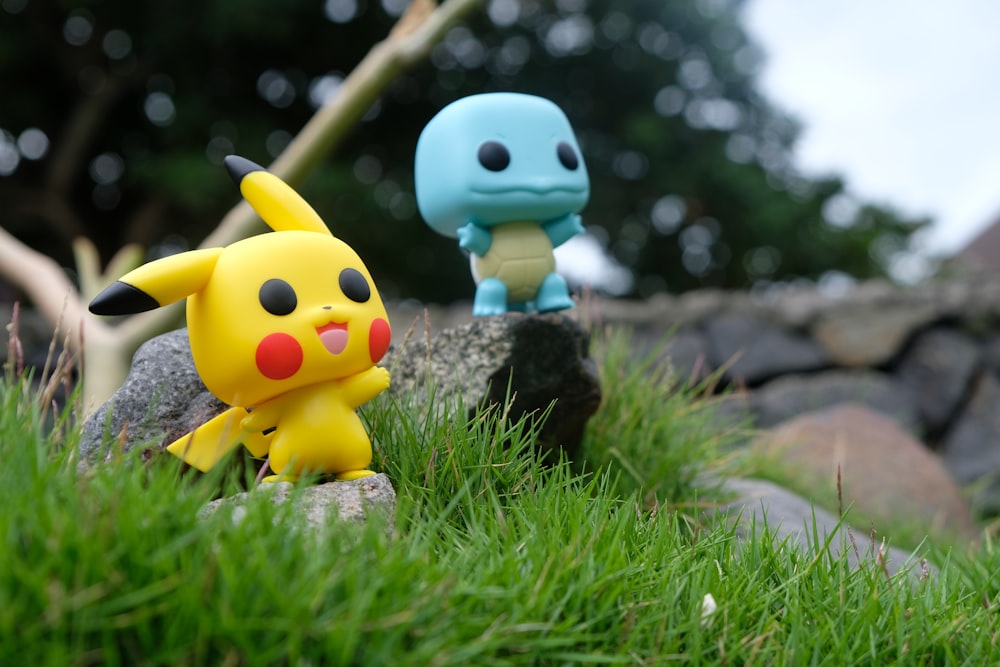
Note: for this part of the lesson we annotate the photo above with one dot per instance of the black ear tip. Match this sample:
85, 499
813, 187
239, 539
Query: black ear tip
238, 167
122, 299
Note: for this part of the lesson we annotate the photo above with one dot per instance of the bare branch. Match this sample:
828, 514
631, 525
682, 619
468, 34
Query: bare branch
88, 266
45, 283
383, 63
91, 112
107, 349
50, 208
411, 39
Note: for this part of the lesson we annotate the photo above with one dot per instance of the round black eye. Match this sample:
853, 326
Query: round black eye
494, 156
354, 286
277, 297
567, 156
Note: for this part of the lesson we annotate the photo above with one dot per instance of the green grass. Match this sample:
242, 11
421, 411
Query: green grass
494, 560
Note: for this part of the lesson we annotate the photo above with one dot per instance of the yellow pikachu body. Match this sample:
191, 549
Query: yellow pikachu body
286, 327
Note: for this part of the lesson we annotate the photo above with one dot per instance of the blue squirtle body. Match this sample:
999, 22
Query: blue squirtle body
503, 173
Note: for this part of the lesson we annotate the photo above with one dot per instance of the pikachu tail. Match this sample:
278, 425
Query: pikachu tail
208, 444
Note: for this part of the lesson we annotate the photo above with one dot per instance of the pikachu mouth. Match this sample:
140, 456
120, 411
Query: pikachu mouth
333, 336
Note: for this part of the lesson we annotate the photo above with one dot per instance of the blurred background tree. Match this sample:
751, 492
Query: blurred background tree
115, 117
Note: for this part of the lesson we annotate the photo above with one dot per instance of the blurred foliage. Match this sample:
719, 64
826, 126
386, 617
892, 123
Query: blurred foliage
115, 117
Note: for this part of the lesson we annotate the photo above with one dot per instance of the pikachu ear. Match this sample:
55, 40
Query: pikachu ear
281, 207
158, 283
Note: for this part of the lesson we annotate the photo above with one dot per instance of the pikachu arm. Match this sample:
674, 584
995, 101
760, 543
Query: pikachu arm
263, 417
258, 425
364, 386
205, 446
562, 229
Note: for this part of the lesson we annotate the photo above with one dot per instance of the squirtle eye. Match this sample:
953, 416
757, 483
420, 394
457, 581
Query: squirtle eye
494, 156
354, 286
567, 156
277, 297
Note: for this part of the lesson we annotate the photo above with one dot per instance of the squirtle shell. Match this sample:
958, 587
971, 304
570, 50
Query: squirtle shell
520, 256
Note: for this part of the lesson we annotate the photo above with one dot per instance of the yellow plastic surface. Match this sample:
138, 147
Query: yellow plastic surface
302, 371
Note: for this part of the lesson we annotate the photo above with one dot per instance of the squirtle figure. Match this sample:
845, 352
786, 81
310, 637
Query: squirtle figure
504, 174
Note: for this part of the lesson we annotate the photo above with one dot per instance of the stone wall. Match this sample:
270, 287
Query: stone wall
928, 356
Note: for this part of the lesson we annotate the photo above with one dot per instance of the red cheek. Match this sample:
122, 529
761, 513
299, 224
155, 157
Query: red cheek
279, 356
379, 336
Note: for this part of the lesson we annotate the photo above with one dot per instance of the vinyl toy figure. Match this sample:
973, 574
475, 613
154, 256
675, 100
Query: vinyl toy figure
502, 173
286, 327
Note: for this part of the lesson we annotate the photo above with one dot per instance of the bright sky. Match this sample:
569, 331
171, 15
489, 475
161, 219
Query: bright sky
900, 97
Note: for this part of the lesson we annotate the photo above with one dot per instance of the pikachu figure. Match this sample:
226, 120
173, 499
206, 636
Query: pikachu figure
286, 327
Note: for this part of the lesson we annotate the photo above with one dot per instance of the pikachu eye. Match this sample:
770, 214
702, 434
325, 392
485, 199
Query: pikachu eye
277, 297
354, 286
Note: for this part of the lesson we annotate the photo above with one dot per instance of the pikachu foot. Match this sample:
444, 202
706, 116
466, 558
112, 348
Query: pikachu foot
353, 474
270, 479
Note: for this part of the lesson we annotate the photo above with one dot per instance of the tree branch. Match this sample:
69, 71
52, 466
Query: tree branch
411, 39
107, 349
45, 283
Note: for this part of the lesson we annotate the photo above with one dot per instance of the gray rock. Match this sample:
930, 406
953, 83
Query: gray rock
683, 352
752, 350
161, 399
991, 353
793, 395
413, 320
687, 354
937, 371
533, 359
543, 357
971, 449
870, 334
865, 459
320, 505
734, 413
759, 503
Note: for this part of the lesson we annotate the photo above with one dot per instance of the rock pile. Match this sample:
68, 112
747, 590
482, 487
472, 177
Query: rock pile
866, 461
322, 505
534, 360
772, 351
926, 356
793, 520
525, 362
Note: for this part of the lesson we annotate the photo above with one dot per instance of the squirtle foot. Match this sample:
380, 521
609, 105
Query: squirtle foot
491, 298
553, 294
